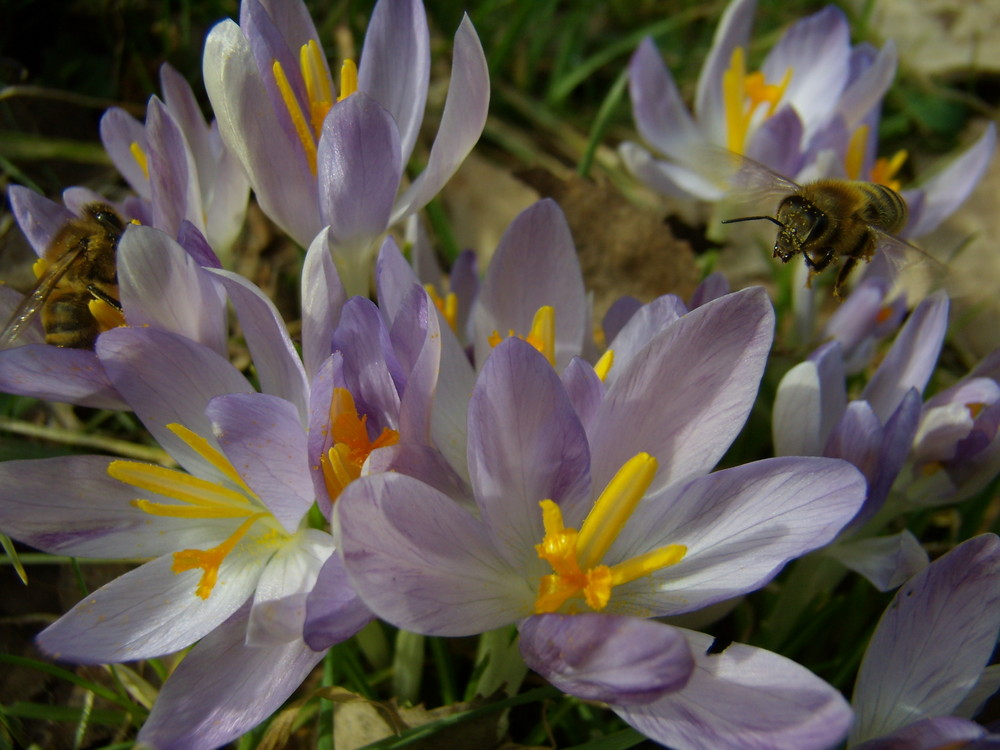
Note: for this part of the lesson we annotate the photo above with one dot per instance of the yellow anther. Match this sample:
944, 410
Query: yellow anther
742, 94
448, 307
343, 462
542, 335
106, 316
206, 450
603, 366
196, 492
854, 159
209, 560
140, 158
348, 79
884, 170
296, 115
319, 87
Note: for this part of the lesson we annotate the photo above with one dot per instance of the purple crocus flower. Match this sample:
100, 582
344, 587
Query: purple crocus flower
178, 164
161, 285
583, 524
922, 677
319, 158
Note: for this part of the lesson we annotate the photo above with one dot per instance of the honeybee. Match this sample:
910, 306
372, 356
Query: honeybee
80, 270
832, 219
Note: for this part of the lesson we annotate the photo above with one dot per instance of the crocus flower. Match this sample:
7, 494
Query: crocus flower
584, 525
161, 285
178, 164
924, 674
316, 157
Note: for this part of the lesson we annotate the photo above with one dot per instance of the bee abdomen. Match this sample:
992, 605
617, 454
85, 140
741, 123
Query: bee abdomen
885, 208
67, 321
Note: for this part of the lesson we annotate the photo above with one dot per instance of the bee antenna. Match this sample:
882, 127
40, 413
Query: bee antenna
754, 218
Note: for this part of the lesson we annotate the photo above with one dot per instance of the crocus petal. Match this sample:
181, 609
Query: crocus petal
810, 399
163, 287
932, 641
584, 389
263, 438
56, 374
534, 265
865, 92
666, 177
733, 31
740, 526
395, 65
119, 130
334, 611
642, 327
704, 371
148, 612
279, 603
619, 660
422, 562
223, 687
661, 117
932, 734
911, 360
393, 278
526, 445
715, 285
166, 378
277, 363
886, 561
323, 297
36, 216
89, 514
359, 167
461, 122
744, 699
175, 192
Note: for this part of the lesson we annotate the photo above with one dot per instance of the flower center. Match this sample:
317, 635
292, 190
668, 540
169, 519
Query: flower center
542, 335
308, 121
342, 463
201, 499
741, 96
575, 556
447, 306
883, 171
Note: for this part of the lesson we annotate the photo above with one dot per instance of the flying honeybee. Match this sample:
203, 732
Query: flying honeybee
833, 220
80, 270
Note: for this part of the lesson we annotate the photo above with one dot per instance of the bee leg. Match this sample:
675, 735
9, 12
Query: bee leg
845, 271
104, 297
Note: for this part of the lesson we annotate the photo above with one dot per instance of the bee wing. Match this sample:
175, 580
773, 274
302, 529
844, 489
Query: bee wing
898, 255
745, 181
34, 300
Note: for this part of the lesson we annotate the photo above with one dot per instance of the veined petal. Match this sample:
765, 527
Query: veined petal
265, 441
422, 562
526, 445
162, 286
119, 130
618, 660
740, 526
733, 31
648, 321
810, 400
223, 688
334, 611
666, 177
395, 65
933, 734
323, 297
150, 611
462, 121
174, 189
932, 641
661, 117
37, 216
886, 561
745, 698
865, 93
393, 278
58, 374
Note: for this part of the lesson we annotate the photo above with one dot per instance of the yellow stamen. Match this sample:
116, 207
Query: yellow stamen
176, 484
295, 112
884, 170
542, 335
742, 94
576, 557
855, 157
603, 366
343, 462
319, 88
448, 307
106, 316
38, 267
209, 560
140, 157
883, 314
348, 79
205, 449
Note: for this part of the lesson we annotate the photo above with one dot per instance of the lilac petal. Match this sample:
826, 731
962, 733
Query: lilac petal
323, 298
274, 161
416, 339
740, 527
424, 563
183, 107
57, 374
526, 444
932, 734
462, 121
394, 277
886, 561
277, 363
119, 130
714, 285
395, 65
810, 400
949, 188
166, 378
175, 193
148, 612
425, 262
196, 245
292, 21
91, 515
334, 611
278, 613
620, 660
661, 117
733, 31
359, 168
865, 92
584, 389
223, 688
620, 312
668, 178
163, 287
534, 265
744, 699
777, 143
264, 440
648, 321
932, 641
702, 373
897, 440
857, 438
319, 440
911, 360
36, 216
